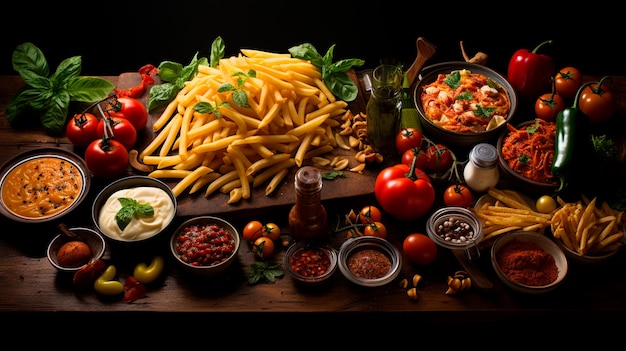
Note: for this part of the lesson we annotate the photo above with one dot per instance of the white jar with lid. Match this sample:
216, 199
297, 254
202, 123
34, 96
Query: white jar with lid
481, 171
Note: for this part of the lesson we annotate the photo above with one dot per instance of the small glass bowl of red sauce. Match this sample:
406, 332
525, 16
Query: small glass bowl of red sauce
310, 263
369, 261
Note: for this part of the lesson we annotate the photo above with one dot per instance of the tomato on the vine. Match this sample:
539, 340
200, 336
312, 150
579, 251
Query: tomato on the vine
408, 138
130, 109
567, 81
370, 214
548, 106
422, 159
458, 195
375, 229
597, 101
419, 248
106, 158
81, 130
253, 230
123, 131
272, 231
263, 247
439, 158
405, 193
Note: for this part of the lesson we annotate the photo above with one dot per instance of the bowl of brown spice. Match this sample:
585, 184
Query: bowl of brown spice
369, 261
528, 262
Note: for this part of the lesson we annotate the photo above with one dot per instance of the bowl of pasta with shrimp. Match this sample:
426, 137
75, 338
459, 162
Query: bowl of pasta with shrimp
463, 104
525, 156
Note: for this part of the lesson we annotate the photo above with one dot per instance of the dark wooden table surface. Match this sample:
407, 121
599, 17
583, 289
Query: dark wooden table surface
28, 283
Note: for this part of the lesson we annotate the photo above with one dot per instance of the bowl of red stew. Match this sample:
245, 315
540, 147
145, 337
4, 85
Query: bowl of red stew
525, 156
310, 263
463, 103
369, 261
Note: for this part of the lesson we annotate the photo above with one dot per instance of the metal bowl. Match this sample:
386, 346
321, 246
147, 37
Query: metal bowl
380, 249
453, 138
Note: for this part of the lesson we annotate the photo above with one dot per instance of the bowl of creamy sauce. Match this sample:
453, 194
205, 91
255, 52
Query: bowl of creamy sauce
134, 209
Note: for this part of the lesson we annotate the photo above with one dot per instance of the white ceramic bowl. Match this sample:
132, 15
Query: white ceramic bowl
528, 261
359, 253
93, 239
212, 260
452, 138
141, 229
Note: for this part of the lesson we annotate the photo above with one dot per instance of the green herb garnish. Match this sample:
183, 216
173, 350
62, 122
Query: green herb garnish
484, 111
453, 80
333, 175
532, 128
466, 95
131, 208
268, 270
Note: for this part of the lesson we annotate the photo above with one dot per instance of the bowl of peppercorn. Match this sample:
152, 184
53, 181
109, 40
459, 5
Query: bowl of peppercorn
528, 262
455, 227
310, 263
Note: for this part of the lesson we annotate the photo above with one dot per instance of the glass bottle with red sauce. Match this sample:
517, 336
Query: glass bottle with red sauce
308, 218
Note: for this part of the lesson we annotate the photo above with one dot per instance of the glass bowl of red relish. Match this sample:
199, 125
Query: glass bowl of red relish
310, 263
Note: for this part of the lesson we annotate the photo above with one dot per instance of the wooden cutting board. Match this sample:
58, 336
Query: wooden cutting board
354, 184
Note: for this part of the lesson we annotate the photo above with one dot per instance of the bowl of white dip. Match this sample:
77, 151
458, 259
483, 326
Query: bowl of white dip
134, 209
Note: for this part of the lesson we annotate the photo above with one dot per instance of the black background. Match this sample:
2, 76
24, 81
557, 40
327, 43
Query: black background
119, 37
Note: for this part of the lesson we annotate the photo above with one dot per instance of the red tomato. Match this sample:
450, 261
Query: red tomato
376, 229
370, 214
123, 131
252, 231
131, 109
458, 195
106, 158
548, 106
263, 247
404, 193
422, 159
419, 249
81, 130
272, 231
408, 138
597, 101
439, 158
567, 81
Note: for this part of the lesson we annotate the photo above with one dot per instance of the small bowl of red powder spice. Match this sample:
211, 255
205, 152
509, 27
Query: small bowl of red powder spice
528, 262
310, 263
369, 261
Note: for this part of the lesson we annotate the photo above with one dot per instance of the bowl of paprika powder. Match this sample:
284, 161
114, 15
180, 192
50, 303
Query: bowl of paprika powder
528, 262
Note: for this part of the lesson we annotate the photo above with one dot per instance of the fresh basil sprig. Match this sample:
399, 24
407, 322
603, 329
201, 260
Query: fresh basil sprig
49, 95
174, 75
333, 74
131, 208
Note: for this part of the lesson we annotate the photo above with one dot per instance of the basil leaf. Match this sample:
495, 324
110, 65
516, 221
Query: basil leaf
55, 114
123, 217
218, 48
30, 62
68, 69
131, 208
89, 89
342, 86
144, 210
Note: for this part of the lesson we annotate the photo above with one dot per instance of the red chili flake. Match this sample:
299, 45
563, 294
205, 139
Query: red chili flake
310, 262
369, 264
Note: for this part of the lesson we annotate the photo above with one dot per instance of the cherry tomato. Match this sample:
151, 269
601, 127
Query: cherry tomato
567, 81
419, 248
376, 229
123, 131
272, 231
545, 204
439, 158
370, 214
408, 138
264, 247
132, 110
253, 230
106, 158
422, 159
81, 130
548, 106
458, 195
597, 101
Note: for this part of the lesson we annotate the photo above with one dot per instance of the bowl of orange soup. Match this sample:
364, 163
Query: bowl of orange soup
42, 185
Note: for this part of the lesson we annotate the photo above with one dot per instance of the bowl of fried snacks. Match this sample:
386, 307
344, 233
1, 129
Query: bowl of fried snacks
588, 232
463, 104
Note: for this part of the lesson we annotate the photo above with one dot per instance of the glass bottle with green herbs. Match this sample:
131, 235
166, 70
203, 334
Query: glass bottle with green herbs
384, 109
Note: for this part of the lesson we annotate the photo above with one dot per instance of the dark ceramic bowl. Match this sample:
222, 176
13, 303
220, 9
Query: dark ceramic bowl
517, 180
92, 238
453, 138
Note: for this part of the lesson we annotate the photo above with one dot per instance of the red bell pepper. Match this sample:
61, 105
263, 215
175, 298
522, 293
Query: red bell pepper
530, 73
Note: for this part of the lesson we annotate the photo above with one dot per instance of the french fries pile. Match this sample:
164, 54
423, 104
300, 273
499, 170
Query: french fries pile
587, 229
291, 118
509, 212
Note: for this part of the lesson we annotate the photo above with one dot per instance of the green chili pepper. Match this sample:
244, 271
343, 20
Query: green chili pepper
571, 126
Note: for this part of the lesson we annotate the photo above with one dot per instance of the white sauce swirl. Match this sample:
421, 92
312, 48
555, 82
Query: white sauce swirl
139, 227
